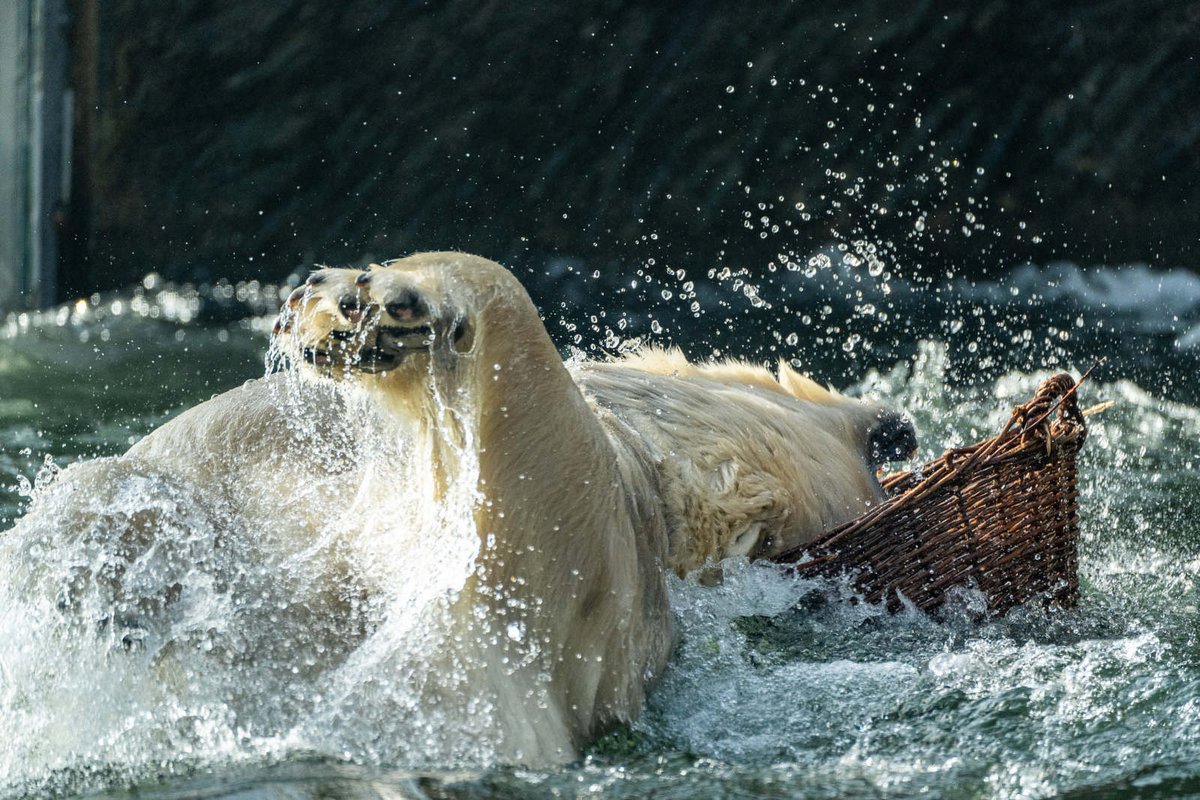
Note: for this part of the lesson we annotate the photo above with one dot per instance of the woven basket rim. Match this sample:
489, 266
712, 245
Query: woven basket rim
1030, 425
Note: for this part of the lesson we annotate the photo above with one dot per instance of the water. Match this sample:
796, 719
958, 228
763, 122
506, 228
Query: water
772, 691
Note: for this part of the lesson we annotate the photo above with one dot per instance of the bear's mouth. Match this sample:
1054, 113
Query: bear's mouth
392, 345
385, 350
397, 339
373, 360
379, 350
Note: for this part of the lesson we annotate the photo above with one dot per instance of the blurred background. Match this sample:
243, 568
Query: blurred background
236, 139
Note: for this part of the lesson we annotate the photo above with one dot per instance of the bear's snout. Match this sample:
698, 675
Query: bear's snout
375, 320
892, 438
352, 308
406, 306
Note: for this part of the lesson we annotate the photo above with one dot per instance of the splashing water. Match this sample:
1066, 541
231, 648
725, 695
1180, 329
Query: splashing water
211, 667
162, 613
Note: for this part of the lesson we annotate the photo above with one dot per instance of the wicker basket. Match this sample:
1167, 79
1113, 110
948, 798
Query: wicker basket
1000, 515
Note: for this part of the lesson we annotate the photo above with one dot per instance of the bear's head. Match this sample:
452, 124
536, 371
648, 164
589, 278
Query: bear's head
393, 325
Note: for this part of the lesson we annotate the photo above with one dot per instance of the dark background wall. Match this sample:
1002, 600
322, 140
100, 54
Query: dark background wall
253, 137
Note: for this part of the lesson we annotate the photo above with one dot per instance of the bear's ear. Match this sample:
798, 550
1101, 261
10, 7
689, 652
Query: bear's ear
803, 387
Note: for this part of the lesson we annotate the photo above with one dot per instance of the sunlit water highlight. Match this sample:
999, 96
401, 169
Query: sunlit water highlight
773, 690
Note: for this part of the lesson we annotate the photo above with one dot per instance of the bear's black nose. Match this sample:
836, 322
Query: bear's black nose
406, 306
351, 307
892, 438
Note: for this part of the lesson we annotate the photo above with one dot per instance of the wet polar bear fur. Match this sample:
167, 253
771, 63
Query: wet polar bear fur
433, 525
596, 477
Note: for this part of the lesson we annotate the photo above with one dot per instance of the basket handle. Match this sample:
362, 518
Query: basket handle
1058, 391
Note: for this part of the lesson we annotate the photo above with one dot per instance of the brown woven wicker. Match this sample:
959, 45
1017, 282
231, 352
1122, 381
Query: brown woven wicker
1000, 515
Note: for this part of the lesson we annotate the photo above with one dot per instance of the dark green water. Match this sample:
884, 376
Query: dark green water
763, 698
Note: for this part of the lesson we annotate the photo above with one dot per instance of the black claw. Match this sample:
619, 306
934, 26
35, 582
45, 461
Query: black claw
363, 279
316, 279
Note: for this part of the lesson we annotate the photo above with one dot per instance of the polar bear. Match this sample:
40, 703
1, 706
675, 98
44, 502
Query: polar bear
597, 477
519, 516
735, 460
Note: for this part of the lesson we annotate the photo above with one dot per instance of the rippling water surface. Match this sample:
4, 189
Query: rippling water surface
769, 693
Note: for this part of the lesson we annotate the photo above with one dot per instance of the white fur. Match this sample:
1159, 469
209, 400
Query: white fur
581, 486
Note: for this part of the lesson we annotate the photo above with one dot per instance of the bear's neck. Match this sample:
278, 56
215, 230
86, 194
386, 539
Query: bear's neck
541, 448
571, 543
